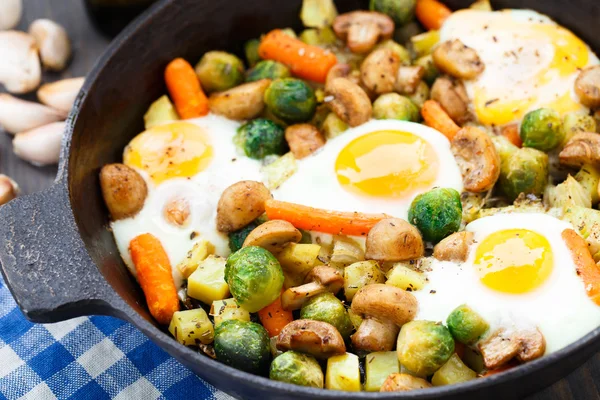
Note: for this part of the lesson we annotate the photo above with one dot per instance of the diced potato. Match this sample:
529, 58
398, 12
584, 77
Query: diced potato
160, 112
343, 373
355, 318
406, 278
223, 310
569, 193
589, 177
198, 253
192, 327
207, 283
424, 43
346, 251
296, 261
587, 222
481, 5
473, 359
279, 170
454, 371
318, 13
361, 274
379, 366
333, 126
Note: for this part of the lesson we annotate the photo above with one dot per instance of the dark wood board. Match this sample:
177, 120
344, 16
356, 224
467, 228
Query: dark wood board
88, 45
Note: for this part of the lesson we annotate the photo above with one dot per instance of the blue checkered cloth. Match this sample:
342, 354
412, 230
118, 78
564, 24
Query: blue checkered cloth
87, 358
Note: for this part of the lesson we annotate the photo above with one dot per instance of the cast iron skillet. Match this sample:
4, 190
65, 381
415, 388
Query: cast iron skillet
60, 260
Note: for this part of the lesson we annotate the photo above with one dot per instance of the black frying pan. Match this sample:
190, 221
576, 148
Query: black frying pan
60, 261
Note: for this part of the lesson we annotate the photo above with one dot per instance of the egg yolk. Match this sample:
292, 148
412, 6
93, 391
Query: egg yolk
514, 260
177, 150
387, 164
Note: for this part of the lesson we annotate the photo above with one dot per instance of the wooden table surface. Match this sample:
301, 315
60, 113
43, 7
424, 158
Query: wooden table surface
88, 45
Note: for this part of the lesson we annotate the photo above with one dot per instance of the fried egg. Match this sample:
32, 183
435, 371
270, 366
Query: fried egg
530, 62
519, 274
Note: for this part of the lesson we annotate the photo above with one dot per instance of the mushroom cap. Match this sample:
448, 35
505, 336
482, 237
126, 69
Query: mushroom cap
385, 302
316, 338
394, 239
327, 276
342, 23
273, 235
583, 148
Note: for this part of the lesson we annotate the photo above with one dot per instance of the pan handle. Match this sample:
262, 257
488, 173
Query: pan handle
44, 261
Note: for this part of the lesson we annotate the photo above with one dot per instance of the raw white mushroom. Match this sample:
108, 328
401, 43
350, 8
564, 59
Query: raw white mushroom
40, 146
18, 115
20, 70
8, 189
10, 13
53, 42
60, 94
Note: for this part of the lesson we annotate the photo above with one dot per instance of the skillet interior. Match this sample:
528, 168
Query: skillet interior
130, 76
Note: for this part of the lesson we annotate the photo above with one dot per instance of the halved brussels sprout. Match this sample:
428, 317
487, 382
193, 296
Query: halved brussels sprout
298, 369
261, 137
424, 346
291, 99
328, 308
437, 213
218, 71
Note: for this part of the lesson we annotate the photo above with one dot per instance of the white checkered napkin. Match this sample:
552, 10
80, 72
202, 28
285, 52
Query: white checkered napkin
87, 358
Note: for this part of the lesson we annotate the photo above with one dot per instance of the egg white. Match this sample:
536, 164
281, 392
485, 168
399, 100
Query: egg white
560, 307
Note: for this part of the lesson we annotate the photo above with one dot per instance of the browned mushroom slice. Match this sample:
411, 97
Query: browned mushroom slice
378, 71
362, 29
498, 349
242, 102
454, 248
124, 190
240, 204
273, 235
319, 339
408, 79
452, 96
393, 239
385, 309
349, 102
403, 383
587, 86
533, 345
304, 139
458, 60
477, 159
583, 148
321, 278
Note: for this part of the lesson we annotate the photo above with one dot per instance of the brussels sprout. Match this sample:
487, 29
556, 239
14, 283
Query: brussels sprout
267, 69
523, 171
298, 369
318, 13
160, 112
424, 43
401, 11
541, 129
420, 95
254, 276
431, 71
454, 371
574, 123
436, 213
424, 346
291, 99
395, 106
466, 325
251, 51
218, 71
261, 137
401, 52
243, 345
324, 37
326, 307
236, 238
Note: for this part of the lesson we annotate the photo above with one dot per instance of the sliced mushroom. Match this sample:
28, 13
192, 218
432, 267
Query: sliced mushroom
343, 71
54, 44
177, 211
18, 115
583, 148
304, 139
477, 159
458, 60
319, 339
498, 349
322, 278
60, 95
41, 145
378, 71
393, 239
362, 29
242, 102
20, 70
454, 248
408, 79
8, 189
240, 204
384, 309
452, 96
273, 235
10, 13
403, 383
533, 345
350, 102
587, 86
123, 189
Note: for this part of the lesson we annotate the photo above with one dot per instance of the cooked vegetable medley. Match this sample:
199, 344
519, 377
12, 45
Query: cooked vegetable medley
387, 200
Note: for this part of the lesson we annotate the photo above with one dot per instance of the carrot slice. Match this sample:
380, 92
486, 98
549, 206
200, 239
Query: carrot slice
511, 132
437, 118
327, 221
305, 61
273, 317
431, 13
155, 277
586, 268
184, 87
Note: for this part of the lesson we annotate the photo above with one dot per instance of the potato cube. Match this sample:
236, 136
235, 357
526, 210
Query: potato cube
379, 366
207, 283
279, 170
343, 373
360, 274
406, 278
223, 310
198, 253
296, 261
192, 327
454, 371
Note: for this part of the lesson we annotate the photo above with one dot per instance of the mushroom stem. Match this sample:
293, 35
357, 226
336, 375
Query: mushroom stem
294, 298
375, 335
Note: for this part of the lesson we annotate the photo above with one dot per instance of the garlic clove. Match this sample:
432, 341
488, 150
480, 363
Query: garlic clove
60, 95
53, 42
40, 146
20, 69
10, 13
18, 115
8, 189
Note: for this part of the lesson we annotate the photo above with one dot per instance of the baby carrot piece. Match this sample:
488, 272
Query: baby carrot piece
155, 277
431, 13
586, 268
315, 219
184, 87
273, 317
305, 61
511, 132
435, 117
